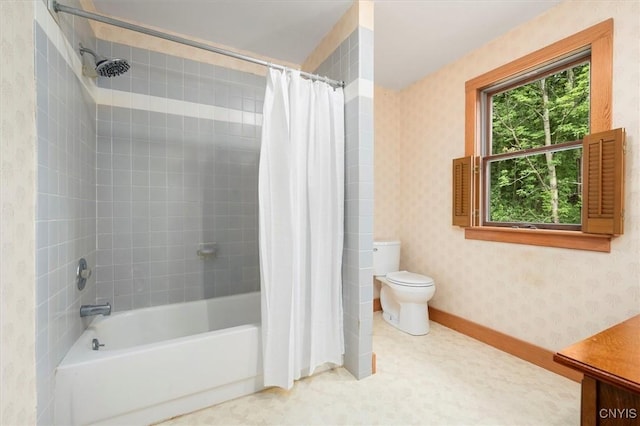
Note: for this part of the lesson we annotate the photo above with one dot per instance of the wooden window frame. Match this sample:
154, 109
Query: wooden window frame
599, 39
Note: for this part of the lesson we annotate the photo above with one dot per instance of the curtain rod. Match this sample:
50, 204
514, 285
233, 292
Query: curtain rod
57, 7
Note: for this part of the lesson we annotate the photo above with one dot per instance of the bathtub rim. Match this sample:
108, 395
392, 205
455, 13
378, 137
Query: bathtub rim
77, 354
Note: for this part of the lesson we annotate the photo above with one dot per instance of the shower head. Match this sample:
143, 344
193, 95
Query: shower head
106, 67
112, 67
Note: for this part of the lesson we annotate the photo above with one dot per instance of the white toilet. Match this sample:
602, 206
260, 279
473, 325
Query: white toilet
403, 295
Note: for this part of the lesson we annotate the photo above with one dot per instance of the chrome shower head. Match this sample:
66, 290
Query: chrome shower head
106, 67
112, 67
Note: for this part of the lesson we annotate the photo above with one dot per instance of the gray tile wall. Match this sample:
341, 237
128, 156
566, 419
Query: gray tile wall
169, 183
66, 211
352, 60
166, 185
172, 77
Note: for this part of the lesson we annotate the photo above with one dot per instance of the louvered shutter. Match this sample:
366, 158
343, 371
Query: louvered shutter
603, 183
462, 182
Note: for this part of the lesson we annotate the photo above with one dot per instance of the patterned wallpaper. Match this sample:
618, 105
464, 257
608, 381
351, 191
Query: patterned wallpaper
387, 164
547, 296
17, 211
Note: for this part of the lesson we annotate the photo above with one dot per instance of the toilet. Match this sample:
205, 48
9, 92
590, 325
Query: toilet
403, 295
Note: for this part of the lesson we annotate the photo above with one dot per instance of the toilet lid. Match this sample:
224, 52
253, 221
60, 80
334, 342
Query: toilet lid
409, 279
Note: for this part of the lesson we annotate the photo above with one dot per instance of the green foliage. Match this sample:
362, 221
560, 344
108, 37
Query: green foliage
522, 189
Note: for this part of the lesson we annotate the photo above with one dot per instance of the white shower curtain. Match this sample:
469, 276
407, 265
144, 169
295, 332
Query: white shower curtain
301, 210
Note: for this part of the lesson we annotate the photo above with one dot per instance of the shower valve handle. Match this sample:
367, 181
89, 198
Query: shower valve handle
85, 273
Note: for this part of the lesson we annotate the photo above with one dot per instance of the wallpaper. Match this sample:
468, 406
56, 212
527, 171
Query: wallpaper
387, 166
546, 296
17, 211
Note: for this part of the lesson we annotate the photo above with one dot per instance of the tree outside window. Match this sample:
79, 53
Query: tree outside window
533, 149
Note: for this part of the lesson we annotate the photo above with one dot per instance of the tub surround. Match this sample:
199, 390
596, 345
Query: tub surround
168, 184
66, 203
67, 109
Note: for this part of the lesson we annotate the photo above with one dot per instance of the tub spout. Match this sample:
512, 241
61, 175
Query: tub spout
88, 310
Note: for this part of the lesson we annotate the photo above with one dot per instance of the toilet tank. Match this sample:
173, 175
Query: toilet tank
386, 257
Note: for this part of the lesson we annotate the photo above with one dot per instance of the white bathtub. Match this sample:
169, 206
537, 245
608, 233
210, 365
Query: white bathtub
161, 362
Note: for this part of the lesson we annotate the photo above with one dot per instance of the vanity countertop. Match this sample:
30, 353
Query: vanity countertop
612, 355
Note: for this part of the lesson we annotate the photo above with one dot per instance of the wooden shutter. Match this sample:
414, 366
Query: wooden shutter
462, 183
603, 182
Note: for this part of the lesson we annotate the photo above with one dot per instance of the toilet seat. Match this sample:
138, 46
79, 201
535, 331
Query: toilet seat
409, 279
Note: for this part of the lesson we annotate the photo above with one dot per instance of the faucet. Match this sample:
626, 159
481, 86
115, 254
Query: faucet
87, 310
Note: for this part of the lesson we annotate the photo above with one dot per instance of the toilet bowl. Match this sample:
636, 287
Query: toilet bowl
404, 298
403, 295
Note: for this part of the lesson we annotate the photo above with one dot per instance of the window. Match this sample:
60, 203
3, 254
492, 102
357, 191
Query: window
527, 176
532, 148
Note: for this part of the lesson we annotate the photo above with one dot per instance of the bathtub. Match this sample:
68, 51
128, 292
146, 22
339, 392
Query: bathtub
160, 362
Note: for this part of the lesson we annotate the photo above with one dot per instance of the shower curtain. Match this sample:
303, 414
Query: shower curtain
301, 222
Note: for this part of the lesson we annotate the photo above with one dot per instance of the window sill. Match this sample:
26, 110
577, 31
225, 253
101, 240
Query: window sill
541, 237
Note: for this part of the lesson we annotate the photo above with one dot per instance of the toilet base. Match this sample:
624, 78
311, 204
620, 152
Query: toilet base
412, 318
415, 328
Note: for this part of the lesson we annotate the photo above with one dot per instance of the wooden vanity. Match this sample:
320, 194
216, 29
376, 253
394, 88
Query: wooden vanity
610, 362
